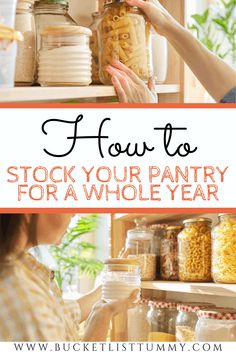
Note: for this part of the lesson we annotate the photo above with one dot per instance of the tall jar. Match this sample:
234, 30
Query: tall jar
138, 325
194, 246
224, 250
26, 52
169, 253
159, 232
124, 35
94, 47
139, 246
216, 325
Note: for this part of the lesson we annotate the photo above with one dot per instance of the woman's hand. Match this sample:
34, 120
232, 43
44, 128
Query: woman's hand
129, 87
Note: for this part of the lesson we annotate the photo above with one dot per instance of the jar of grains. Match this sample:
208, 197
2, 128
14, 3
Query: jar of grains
169, 253
224, 249
26, 52
139, 246
216, 325
124, 35
94, 47
187, 319
138, 326
194, 247
159, 232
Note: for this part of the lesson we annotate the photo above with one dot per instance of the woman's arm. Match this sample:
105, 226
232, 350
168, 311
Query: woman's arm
87, 302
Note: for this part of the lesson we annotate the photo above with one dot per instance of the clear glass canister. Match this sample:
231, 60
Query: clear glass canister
216, 325
139, 246
194, 247
120, 278
94, 47
125, 35
65, 57
169, 253
224, 250
138, 325
187, 319
162, 318
26, 52
159, 232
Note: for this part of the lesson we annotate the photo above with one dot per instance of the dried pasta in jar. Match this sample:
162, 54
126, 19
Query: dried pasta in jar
124, 35
224, 250
94, 47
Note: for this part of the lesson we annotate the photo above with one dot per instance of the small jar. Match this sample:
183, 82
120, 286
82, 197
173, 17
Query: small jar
124, 35
120, 278
138, 325
162, 318
194, 245
187, 319
224, 250
169, 253
216, 325
65, 56
94, 47
26, 53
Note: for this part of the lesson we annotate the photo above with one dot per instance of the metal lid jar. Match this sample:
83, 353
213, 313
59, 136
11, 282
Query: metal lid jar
224, 249
124, 35
94, 47
194, 247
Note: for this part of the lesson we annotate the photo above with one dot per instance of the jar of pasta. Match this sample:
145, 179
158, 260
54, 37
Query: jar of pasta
194, 248
138, 326
124, 35
224, 250
94, 47
169, 253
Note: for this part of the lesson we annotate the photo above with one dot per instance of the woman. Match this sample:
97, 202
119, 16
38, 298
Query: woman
216, 76
31, 304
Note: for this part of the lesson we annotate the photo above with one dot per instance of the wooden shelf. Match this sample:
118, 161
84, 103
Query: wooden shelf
60, 94
192, 288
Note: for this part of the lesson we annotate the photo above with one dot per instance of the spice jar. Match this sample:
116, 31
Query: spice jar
124, 35
8, 49
139, 246
224, 249
26, 52
94, 47
187, 319
216, 325
65, 56
162, 318
138, 325
194, 245
169, 253
120, 278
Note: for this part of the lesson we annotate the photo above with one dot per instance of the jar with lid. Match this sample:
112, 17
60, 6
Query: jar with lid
65, 56
187, 319
138, 325
124, 35
51, 13
224, 250
139, 246
26, 52
169, 253
162, 318
120, 278
194, 245
216, 325
94, 47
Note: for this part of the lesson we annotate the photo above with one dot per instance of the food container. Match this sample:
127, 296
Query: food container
169, 253
120, 278
216, 325
159, 57
187, 319
138, 326
8, 13
26, 52
139, 246
224, 250
8, 48
94, 47
159, 232
65, 56
162, 318
194, 245
125, 35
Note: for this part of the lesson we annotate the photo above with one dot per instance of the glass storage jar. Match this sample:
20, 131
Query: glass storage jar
169, 253
159, 57
26, 52
159, 231
94, 47
124, 35
216, 325
187, 319
194, 247
139, 246
224, 250
120, 278
8, 13
65, 56
138, 326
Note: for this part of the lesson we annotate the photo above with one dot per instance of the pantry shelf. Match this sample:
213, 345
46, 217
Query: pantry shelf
62, 94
